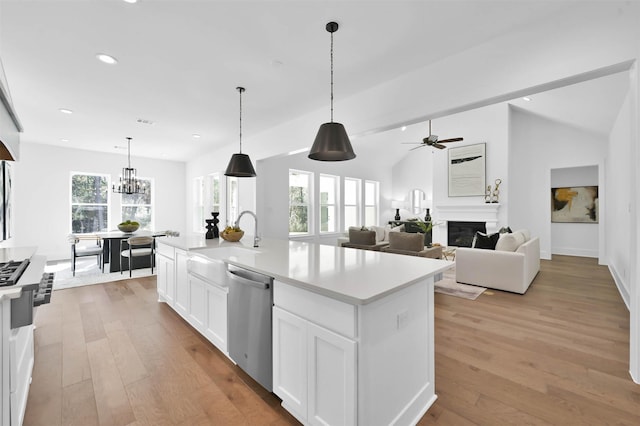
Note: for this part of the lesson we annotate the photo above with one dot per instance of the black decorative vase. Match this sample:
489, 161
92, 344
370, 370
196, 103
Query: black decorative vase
397, 214
427, 217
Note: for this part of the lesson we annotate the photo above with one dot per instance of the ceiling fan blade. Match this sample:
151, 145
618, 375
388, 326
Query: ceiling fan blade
451, 140
416, 147
437, 145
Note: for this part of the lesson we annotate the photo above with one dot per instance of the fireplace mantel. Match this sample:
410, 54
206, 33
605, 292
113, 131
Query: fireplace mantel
487, 212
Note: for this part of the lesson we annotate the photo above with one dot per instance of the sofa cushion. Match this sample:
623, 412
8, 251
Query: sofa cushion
357, 236
484, 241
510, 242
406, 241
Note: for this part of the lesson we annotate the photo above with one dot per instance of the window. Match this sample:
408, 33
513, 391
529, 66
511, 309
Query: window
232, 200
198, 201
213, 192
138, 207
352, 203
299, 202
89, 203
371, 202
329, 195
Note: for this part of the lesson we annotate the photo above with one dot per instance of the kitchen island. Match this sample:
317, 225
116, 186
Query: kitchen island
352, 329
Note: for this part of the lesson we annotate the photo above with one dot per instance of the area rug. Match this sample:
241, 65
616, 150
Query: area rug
452, 288
88, 273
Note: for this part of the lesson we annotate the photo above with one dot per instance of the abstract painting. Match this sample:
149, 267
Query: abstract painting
467, 170
575, 204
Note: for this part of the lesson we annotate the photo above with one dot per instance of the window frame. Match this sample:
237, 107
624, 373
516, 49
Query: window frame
357, 205
337, 205
375, 205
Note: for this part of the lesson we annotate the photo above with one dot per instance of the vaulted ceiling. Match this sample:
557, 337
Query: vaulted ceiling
179, 63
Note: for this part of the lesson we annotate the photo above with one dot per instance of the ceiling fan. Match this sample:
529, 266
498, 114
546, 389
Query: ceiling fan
432, 140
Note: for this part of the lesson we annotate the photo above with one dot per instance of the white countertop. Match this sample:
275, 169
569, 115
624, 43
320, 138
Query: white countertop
350, 275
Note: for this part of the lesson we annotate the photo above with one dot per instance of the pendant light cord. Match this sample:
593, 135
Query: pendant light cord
240, 89
332, 77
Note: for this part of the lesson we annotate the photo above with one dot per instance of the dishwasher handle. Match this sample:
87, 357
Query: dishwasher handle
236, 277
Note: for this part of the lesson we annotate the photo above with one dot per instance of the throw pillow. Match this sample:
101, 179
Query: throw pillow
484, 241
507, 242
380, 233
389, 229
362, 237
406, 241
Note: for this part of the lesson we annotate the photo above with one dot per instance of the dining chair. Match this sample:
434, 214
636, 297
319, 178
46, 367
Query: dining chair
94, 248
137, 247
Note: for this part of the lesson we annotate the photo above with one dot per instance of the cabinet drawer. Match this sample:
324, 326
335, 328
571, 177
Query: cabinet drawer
321, 310
164, 250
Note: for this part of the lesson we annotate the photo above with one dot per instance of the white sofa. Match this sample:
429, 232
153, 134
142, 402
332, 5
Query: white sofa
501, 269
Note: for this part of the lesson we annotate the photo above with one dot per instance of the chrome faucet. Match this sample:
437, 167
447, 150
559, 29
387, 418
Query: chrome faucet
256, 239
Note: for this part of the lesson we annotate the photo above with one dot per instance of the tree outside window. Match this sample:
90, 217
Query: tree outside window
89, 203
138, 207
299, 202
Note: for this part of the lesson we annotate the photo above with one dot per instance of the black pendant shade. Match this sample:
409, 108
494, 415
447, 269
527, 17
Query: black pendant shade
332, 144
240, 166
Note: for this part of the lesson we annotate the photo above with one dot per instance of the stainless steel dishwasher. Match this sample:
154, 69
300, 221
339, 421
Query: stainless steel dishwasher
249, 315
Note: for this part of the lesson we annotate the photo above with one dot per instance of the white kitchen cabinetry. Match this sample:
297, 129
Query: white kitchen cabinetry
314, 368
216, 320
197, 302
182, 283
342, 364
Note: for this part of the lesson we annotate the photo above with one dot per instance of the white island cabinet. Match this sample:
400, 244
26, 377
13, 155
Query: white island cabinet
353, 334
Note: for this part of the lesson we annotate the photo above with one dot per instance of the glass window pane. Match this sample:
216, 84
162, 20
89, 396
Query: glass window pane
350, 216
327, 190
298, 219
299, 188
140, 214
89, 219
89, 189
369, 193
350, 192
370, 218
327, 219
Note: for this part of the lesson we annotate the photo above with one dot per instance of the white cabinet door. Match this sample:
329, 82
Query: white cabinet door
332, 378
182, 284
166, 279
197, 302
161, 277
290, 362
216, 320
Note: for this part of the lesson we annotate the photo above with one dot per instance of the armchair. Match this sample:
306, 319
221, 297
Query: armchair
411, 244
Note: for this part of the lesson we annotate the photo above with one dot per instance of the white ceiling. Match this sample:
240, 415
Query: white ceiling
180, 62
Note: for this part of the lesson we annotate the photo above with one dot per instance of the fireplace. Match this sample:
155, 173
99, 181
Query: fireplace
460, 234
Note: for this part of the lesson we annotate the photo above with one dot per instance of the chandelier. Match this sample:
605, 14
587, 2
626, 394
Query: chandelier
129, 184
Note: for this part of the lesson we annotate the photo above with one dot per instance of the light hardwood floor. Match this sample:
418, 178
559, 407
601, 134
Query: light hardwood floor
110, 354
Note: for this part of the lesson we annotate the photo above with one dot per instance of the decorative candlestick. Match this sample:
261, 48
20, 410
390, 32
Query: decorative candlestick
496, 192
212, 226
487, 194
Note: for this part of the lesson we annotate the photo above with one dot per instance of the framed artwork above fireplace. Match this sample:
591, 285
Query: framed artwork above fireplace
467, 170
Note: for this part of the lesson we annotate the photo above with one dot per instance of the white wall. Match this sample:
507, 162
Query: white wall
273, 189
42, 194
413, 171
575, 239
619, 193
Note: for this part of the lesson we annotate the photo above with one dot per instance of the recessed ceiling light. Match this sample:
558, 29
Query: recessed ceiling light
196, 136
130, 1
526, 98
107, 59
403, 128
65, 111
64, 140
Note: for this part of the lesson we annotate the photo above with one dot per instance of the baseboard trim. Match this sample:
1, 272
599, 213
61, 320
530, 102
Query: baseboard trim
570, 251
636, 380
417, 407
626, 297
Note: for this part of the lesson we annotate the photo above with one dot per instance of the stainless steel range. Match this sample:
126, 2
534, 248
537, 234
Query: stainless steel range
33, 294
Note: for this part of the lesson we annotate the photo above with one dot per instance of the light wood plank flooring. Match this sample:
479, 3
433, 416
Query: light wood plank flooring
110, 354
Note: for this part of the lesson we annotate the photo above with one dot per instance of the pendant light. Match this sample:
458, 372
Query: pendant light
332, 142
240, 164
129, 183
